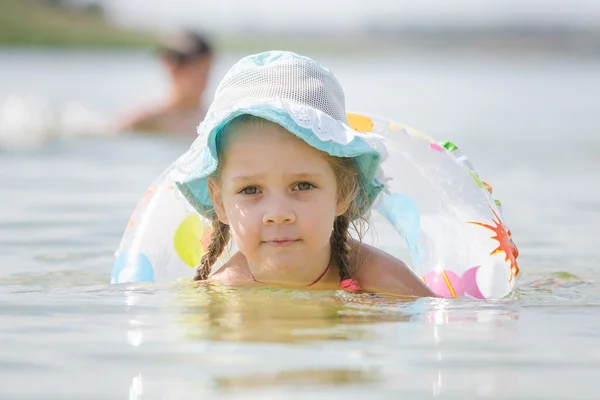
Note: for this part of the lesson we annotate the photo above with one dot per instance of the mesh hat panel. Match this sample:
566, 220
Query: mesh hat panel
299, 80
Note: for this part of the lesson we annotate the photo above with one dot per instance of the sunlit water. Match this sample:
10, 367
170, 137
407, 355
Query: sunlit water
529, 126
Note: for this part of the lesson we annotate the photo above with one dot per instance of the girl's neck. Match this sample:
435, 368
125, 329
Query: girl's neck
321, 278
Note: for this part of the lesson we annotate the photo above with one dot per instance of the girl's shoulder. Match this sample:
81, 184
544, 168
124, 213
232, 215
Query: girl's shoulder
233, 272
379, 272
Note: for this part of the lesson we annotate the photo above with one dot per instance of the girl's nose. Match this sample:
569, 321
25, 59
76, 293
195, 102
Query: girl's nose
278, 214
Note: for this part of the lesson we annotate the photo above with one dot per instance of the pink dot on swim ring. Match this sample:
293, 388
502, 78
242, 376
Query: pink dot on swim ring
469, 279
436, 147
444, 283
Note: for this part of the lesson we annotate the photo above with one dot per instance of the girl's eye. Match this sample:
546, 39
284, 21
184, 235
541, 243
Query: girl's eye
249, 190
304, 186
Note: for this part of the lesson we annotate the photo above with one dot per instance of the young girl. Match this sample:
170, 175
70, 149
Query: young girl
277, 169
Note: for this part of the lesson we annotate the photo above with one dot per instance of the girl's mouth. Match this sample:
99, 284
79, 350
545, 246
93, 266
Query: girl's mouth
284, 242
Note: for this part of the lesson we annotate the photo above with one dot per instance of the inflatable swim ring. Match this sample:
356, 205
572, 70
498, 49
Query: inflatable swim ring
442, 212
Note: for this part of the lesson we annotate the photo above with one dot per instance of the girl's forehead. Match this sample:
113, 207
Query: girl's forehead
254, 126
266, 136
270, 146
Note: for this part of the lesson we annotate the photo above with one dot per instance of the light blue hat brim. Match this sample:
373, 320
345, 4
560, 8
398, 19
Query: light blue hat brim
194, 187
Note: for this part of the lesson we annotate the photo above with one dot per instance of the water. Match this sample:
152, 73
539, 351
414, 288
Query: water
529, 126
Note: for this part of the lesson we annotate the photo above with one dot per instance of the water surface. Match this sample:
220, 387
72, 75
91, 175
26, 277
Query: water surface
528, 125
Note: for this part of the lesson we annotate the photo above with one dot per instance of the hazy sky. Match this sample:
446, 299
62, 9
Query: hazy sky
232, 15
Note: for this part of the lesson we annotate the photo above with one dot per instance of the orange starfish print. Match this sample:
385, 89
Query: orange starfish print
505, 243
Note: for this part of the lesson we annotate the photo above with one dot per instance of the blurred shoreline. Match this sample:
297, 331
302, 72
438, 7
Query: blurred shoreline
484, 41
60, 24
56, 23
484, 45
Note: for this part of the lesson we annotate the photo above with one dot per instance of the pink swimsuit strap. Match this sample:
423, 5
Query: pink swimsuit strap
350, 285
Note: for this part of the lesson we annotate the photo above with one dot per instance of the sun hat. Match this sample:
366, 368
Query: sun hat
295, 92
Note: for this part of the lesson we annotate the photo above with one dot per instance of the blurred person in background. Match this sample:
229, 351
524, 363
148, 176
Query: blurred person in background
188, 57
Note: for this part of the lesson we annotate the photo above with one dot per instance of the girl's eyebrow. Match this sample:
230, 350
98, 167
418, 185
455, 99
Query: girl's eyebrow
307, 175
298, 176
246, 178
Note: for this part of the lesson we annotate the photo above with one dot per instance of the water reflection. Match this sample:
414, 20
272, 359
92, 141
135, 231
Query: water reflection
298, 377
466, 335
280, 315
276, 339
136, 390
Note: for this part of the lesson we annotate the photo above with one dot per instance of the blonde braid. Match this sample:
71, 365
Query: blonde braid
218, 240
340, 246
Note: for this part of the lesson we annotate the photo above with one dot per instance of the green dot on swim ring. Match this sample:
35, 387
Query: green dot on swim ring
449, 146
132, 267
475, 177
188, 240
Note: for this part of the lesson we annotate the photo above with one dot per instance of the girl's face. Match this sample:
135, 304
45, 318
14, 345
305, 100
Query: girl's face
279, 197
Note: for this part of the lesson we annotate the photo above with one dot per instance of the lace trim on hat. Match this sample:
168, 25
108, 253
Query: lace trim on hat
321, 124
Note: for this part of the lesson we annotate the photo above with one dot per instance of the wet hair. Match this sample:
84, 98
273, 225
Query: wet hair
350, 191
185, 46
